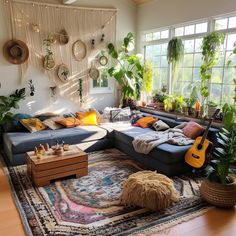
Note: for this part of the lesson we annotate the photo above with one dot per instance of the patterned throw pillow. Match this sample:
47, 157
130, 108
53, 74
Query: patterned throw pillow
160, 125
51, 122
69, 122
33, 124
120, 114
146, 122
87, 117
193, 130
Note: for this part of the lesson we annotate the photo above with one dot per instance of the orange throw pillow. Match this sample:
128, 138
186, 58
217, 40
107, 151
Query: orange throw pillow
69, 122
193, 130
87, 117
146, 122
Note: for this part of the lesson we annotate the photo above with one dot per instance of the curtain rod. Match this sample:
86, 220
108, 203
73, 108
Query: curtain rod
63, 6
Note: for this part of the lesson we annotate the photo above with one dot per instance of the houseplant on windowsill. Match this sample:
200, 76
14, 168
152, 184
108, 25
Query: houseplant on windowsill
128, 71
211, 107
159, 97
219, 188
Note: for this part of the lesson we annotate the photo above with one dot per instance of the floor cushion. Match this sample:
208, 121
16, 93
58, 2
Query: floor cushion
150, 190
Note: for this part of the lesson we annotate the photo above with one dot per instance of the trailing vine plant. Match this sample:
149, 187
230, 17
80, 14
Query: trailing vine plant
210, 54
175, 53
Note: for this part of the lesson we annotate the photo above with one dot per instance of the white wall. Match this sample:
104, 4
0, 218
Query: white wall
42, 102
161, 13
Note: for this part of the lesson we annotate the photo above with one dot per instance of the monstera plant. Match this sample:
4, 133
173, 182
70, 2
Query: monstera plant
128, 70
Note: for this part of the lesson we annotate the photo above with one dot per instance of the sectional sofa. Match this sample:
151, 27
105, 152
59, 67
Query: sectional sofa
167, 159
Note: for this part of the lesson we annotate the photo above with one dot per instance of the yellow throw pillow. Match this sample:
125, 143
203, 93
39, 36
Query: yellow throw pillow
33, 124
146, 122
87, 117
69, 122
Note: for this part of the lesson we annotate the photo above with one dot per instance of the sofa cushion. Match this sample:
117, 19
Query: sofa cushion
165, 153
24, 142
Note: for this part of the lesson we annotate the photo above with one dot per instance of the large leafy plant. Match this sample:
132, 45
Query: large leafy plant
9, 102
128, 69
210, 50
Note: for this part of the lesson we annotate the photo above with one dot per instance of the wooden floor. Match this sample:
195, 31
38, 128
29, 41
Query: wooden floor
216, 222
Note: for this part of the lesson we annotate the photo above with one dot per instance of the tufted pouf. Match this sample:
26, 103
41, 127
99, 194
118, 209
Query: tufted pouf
150, 190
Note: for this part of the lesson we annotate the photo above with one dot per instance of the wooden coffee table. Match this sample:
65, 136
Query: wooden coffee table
51, 166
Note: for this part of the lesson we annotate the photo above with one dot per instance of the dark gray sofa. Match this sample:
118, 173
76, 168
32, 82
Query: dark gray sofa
167, 159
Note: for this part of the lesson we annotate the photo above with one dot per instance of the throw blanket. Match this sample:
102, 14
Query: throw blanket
146, 142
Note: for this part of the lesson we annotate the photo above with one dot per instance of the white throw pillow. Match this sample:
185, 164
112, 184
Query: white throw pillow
160, 125
51, 123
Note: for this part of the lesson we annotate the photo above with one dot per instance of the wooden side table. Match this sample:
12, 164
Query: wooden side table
51, 166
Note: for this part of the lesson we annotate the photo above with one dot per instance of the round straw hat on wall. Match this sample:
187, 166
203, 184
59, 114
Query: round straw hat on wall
16, 51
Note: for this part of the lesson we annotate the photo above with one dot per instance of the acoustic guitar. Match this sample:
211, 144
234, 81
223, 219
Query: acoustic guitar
197, 154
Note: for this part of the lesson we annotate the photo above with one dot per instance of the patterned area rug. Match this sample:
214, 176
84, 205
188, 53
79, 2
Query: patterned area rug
90, 205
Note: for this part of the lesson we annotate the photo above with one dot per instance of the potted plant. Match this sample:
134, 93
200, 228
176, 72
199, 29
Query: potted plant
191, 101
219, 188
211, 108
128, 71
178, 103
9, 102
159, 97
175, 54
169, 103
210, 49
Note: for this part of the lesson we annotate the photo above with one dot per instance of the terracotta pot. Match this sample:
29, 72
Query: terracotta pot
160, 106
220, 195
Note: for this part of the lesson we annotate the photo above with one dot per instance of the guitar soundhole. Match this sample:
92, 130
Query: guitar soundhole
199, 146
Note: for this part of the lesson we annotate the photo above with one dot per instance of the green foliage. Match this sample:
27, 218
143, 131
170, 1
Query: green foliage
175, 51
160, 96
174, 103
212, 104
9, 102
147, 77
128, 71
210, 49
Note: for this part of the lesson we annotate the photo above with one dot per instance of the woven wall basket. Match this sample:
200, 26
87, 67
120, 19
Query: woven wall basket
220, 195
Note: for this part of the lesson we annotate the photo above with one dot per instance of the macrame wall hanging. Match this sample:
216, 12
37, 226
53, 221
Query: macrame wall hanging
59, 35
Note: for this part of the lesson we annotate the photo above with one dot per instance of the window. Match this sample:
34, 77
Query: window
188, 72
156, 53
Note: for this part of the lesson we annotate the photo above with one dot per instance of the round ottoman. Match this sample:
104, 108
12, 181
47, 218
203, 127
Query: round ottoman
150, 190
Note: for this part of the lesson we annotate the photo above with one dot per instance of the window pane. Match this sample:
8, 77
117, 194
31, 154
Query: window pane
156, 50
149, 50
164, 34
201, 28
156, 79
189, 45
188, 60
221, 24
197, 59
148, 37
156, 35
189, 29
196, 75
232, 58
231, 41
217, 74
229, 75
198, 44
187, 74
228, 94
164, 62
179, 31
215, 93
164, 49
232, 22
164, 76
157, 61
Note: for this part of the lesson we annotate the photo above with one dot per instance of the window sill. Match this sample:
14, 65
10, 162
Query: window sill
101, 91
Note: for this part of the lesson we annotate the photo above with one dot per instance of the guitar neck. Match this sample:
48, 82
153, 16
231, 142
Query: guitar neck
206, 132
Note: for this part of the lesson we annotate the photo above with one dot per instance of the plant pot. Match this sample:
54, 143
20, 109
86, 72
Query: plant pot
211, 111
160, 106
220, 195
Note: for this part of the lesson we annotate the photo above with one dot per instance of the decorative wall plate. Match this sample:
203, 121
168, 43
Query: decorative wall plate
94, 73
79, 50
48, 63
63, 37
103, 60
63, 73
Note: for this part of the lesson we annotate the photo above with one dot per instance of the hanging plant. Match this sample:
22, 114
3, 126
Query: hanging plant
175, 52
210, 50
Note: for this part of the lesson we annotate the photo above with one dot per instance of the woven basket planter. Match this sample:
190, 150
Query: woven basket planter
221, 195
